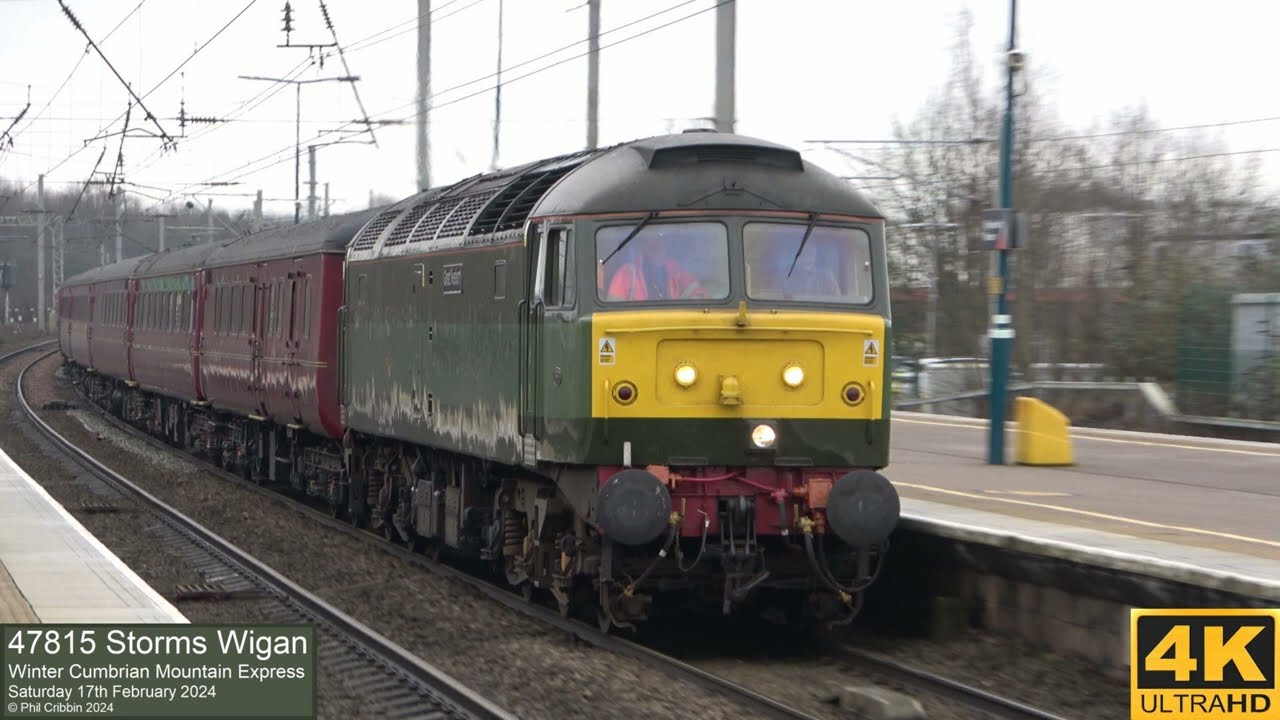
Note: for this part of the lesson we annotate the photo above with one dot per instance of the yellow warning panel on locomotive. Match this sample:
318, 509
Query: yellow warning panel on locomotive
1204, 664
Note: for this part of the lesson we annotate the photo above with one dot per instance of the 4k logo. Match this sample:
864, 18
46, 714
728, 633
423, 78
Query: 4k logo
1204, 664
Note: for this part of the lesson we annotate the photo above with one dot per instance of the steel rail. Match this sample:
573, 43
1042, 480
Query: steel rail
974, 697
449, 694
590, 634
580, 630
15, 353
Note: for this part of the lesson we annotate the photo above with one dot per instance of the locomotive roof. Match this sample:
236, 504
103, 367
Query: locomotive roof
704, 171
691, 170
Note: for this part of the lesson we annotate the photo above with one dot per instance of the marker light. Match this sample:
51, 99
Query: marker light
853, 394
686, 375
625, 392
763, 436
793, 375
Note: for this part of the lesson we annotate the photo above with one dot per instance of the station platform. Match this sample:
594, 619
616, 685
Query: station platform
52, 570
1195, 510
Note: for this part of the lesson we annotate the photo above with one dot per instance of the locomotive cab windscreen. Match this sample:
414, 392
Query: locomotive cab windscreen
781, 262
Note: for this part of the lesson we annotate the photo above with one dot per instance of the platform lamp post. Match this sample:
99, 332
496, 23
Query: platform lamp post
1000, 231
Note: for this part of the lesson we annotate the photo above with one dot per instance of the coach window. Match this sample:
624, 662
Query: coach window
271, 311
291, 332
227, 294
306, 312
280, 297
246, 302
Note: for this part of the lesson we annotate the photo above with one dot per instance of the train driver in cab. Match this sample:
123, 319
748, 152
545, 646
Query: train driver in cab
809, 279
655, 272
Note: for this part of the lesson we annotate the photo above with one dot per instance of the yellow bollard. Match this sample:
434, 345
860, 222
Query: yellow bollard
1043, 434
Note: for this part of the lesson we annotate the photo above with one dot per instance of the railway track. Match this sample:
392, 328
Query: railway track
23, 350
990, 704
393, 682
982, 702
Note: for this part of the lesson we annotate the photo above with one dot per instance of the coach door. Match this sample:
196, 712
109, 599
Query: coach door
126, 334
529, 314
547, 351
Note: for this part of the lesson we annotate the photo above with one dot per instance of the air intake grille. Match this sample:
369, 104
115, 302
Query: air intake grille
521, 206
427, 228
461, 218
368, 237
400, 233
488, 220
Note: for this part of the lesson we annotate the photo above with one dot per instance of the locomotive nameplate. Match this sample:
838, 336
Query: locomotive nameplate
453, 279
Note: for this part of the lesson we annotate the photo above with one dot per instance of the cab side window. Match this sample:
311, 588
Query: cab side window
557, 285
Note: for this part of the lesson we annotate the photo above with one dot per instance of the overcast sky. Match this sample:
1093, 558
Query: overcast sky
805, 69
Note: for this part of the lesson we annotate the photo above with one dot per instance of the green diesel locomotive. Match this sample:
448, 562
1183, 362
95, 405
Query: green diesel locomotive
656, 370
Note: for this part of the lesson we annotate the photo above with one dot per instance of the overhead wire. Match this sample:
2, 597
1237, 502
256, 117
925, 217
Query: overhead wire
127, 85
1085, 168
324, 11
155, 87
357, 47
222, 175
397, 26
292, 74
297, 70
83, 55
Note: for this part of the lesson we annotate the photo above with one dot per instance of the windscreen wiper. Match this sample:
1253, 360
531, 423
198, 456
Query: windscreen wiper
813, 220
635, 231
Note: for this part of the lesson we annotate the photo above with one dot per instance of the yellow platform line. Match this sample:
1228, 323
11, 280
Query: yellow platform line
1092, 514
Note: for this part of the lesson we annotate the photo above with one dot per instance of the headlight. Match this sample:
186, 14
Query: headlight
686, 375
793, 375
763, 436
